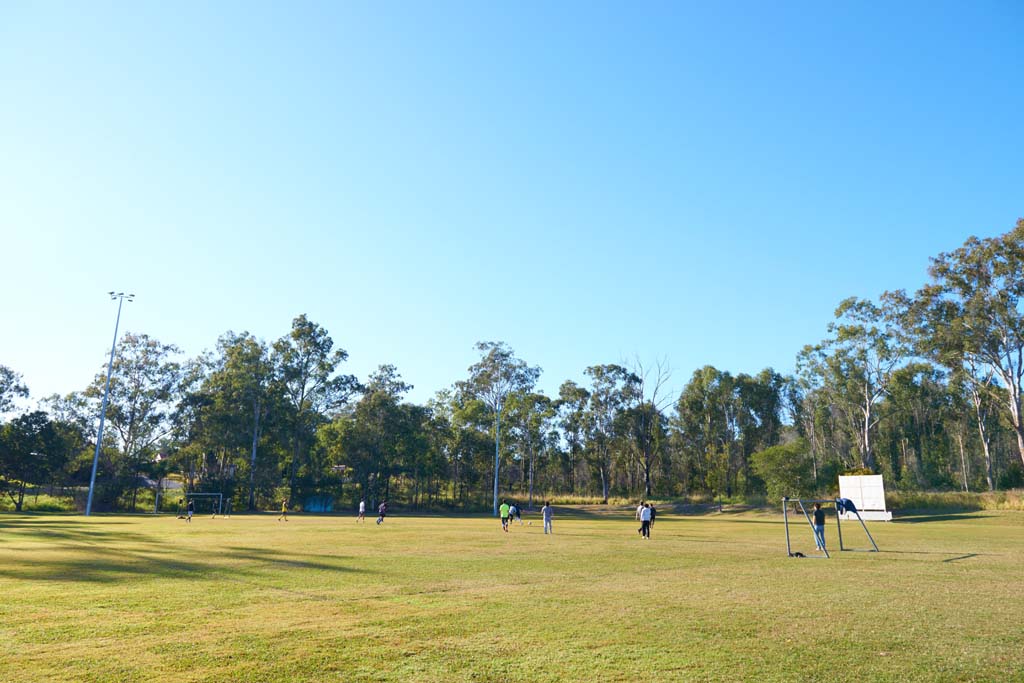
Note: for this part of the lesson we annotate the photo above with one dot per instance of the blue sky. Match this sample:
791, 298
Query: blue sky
590, 182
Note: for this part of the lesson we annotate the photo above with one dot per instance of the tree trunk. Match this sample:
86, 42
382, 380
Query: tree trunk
963, 458
530, 505
867, 458
252, 459
983, 432
604, 483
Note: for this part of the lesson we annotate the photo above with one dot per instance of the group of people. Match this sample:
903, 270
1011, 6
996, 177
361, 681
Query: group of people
512, 512
645, 513
382, 511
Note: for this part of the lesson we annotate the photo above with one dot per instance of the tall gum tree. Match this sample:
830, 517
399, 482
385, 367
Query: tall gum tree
972, 309
613, 389
497, 374
305, 362
11, 388
854, 366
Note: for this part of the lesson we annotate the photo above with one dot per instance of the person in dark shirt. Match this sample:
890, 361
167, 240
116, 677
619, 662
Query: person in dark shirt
819, 527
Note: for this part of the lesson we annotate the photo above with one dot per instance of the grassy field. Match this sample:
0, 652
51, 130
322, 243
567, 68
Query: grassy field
320, 598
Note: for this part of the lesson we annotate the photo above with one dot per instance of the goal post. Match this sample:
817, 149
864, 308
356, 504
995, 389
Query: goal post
217, 500
842, 506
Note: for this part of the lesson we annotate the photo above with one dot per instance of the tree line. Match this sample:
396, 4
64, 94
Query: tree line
923, 387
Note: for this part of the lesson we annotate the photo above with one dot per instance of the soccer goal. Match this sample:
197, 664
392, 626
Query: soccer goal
216, 501
842, 506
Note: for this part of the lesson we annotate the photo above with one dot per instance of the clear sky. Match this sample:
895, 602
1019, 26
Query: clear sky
587, 181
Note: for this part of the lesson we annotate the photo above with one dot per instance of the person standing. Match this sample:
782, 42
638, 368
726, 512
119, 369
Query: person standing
819, 527
654, 513
547, 513
639, 515
362, 511
382, 511
191, 508
504, 512
645, 522
284, 511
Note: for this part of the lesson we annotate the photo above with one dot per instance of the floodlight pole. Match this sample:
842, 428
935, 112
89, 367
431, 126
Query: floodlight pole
497, 456
120, 296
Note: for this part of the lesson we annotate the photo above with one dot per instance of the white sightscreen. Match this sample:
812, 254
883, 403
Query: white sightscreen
866, 491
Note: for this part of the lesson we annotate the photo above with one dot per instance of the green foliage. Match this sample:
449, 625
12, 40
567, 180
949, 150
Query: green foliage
1012, 477
785, 469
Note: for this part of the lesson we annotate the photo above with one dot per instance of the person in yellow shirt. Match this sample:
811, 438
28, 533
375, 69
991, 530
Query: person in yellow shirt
284, 511
503, 510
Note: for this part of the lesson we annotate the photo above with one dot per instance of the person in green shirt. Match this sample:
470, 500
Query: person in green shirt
504, 515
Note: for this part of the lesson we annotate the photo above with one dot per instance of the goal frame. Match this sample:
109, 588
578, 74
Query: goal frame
786, 500
218, 496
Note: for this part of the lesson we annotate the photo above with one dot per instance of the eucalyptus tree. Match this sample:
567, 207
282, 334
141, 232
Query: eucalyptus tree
972, 318
497, 374
647, 401
33, 449
379, 437
305, 364
855, 365
145, 387
705, 426
575, 423
532, 419
613, 390
11, 388
236, 396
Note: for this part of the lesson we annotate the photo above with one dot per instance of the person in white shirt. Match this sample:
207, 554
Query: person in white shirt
362, 511
547, 512
645, 522
639, 510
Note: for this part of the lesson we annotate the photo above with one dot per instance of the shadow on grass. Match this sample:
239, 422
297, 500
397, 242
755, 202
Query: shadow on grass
923, 517
94, 562
42, 528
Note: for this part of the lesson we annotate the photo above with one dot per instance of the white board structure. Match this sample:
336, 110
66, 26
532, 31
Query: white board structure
868, 493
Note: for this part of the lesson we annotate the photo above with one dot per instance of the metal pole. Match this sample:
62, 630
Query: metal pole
870, 538
839, 528
811, 524
103, 409
785, 520
497, 461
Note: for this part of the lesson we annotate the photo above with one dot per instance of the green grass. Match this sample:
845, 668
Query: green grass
320, 598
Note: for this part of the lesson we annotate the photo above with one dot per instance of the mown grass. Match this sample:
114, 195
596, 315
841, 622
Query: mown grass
320, 598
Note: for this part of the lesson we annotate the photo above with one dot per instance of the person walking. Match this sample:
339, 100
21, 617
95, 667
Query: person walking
284, 511
362, 511
654, 513
517, 512
382, 511
819, 527
645, 522
190, 509
504, 512
547, 513
639, 514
